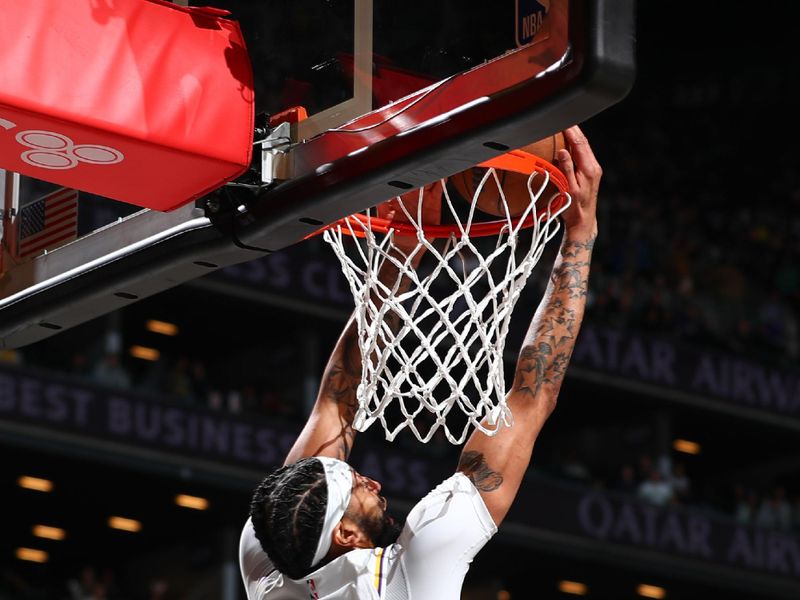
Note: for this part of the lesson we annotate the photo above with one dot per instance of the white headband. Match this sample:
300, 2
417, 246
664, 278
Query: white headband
339, 478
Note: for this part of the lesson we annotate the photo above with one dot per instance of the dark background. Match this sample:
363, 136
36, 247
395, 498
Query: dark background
698, 246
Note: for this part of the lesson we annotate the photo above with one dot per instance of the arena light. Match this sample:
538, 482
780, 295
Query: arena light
162, 327
144, 353
576, 588
503, 595
50, 533
125, 524
194, 502
651, 591
35, 483
31, 555
686, 446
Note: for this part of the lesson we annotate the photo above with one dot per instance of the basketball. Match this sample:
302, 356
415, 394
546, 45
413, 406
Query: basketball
515, 185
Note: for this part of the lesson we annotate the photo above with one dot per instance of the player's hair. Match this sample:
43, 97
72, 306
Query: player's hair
288, 510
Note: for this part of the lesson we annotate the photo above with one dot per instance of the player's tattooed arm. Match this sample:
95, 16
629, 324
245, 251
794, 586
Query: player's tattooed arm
548, 346
339, 385
329, 430
550, 339
496, 466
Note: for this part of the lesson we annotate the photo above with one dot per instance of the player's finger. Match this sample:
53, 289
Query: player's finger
581, 151
575, 137
568, 168
577, 144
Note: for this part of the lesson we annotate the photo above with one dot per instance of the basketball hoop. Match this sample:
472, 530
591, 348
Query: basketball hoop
447, 351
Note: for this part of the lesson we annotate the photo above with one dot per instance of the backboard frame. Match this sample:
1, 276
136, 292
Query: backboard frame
334, 174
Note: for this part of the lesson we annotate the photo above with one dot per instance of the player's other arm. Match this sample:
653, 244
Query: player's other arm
496, 465
329, 429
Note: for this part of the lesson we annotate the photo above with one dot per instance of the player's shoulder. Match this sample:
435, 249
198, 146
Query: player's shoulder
454, 498
457, 483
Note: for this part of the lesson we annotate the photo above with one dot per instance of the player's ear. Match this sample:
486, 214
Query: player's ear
344, 534
348, 535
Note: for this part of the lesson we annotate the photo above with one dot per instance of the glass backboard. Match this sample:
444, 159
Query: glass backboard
397, 95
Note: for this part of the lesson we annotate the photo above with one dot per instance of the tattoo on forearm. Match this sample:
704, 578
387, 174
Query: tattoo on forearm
570, 276
344, 372
482, 476
346, 438
548, 347
340, 385
572, 249
545, 360
532, 367
343, 375
343, 440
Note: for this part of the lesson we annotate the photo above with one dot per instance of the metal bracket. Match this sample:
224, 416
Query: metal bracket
274, 156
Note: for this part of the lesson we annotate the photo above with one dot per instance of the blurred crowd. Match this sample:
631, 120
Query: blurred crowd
700, 239
666, 482
178, 379
92, 583
88, 583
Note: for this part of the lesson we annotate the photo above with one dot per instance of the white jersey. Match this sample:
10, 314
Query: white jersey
442, 535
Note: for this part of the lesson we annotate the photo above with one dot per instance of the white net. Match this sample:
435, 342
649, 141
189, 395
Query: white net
438, 345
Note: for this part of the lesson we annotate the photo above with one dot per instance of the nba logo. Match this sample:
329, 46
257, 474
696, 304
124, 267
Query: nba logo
530, 16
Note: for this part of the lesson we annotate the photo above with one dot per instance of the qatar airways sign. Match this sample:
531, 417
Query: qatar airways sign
731, 379
692, 535
624, 521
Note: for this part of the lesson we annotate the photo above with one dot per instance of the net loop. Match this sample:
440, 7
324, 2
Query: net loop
436, 349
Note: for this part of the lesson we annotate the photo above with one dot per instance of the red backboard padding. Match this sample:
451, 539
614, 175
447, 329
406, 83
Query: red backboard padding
137, 100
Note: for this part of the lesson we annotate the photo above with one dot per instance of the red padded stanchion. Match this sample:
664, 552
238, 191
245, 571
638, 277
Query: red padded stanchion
137, 100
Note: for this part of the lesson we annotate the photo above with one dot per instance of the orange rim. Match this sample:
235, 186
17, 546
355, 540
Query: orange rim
517, 161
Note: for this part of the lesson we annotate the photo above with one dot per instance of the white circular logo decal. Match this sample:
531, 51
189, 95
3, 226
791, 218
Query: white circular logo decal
49, 160
97, 155
51, 150
44, 139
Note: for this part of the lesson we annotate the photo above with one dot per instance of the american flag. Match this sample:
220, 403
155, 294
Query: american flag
50, 221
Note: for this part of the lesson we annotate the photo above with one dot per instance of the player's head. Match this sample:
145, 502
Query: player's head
317, 508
